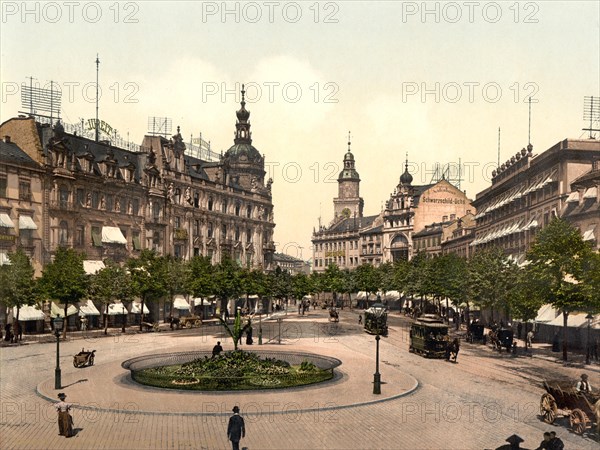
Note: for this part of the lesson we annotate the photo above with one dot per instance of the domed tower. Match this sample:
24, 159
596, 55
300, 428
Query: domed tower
243, 163
348, 203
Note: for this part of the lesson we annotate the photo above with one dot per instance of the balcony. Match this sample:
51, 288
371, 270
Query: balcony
63, 206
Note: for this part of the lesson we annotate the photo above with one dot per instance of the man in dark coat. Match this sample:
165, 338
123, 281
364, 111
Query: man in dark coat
236, 429
217, 349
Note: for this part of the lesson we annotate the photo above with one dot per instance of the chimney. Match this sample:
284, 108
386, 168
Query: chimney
7, 139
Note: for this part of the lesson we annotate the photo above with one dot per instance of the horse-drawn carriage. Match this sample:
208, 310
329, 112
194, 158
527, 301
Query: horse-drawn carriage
84, 358
376, 320
190, 321
476, 332
562, 400
334, 316
501, 338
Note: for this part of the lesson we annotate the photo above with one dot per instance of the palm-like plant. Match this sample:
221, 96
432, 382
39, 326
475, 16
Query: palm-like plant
237, 331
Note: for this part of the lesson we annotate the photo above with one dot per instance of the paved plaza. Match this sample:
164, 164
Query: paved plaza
425, 404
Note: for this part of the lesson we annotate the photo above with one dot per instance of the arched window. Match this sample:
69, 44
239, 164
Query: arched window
63, 233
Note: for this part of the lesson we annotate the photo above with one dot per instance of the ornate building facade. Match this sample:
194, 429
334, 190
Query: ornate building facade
529, 190
109, 202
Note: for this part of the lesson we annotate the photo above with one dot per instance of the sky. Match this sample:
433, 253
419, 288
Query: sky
431, 81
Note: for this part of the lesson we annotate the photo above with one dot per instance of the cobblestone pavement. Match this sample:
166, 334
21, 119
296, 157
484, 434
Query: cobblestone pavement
474, 404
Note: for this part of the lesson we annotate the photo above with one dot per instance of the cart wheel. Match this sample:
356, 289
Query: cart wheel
198, 323
188, 324
548, 408
578, 421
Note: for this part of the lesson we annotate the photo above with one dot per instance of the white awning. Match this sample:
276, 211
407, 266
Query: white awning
532, 224
391, 295
59, 311
573, 197
136, 308
28, 313
92, 267
198, 301
6, 221
116, 309
546, 313
27, 223
180, 303
113, 235
88, 309
4, 258
589, 235
591, 192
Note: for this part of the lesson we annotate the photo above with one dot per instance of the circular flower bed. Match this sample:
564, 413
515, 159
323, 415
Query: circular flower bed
237, 370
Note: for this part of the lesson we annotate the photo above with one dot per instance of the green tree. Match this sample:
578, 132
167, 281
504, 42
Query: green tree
558, 260
333, 281
366, 279
301, 285
147, 278
282, 284
174, 272
227, 281
109, 284
65, 280
200, 277
493, 279
17, 285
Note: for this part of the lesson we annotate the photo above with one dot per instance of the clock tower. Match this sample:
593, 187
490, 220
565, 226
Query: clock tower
348, 203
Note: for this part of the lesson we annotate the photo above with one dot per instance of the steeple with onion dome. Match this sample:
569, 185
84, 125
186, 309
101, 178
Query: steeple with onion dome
243, 165
406, 178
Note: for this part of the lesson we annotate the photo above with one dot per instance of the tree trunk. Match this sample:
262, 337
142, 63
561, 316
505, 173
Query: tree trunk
565, 334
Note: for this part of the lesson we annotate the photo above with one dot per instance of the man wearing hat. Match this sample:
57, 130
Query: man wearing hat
65, 421
583, 385
236, 429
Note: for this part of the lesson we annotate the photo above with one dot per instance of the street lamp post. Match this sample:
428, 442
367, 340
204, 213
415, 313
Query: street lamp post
589, 318
377, 375
58, 326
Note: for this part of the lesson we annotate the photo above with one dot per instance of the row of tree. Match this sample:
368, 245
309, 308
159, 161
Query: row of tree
561, 269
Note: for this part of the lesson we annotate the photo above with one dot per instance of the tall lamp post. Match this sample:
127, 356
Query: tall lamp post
58, 326
589, 318
377, 375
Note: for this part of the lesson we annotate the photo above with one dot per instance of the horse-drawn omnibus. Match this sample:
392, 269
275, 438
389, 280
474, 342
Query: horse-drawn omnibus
429, 336
376, 320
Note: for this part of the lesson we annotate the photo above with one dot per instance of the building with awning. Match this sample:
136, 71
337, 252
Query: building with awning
6, 221
59, 310
92, 267
117, 309
87, 308
27, 313
136, 308
113, 235
179, 302
26, 223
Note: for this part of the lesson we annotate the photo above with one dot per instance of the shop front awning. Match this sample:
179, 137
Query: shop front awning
573, 197
27, 313
88, 308
113, 235
198, 302
92, 267
6, 221
179, 302
59, 311
591, 192
27, 223
546, 313
589, 235
136, 308
117, 309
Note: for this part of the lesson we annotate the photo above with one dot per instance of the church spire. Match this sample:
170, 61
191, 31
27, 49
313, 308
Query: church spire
406, 177
242, 125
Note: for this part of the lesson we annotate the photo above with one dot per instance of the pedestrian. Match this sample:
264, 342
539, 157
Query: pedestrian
217, 349
519, 329
83, 324
455, 348
360, 319
555, 442
545, 444
583, 385
236, 428
249, 340
8, 332
65, 420
530, 338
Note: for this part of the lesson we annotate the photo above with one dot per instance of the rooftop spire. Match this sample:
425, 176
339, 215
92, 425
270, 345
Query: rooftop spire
242, 134
349, 141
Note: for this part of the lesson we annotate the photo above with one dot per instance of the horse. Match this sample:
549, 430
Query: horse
454, 348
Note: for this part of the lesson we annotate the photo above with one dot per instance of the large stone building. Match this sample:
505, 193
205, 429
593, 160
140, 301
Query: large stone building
529, 190
109, 202
353, 239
